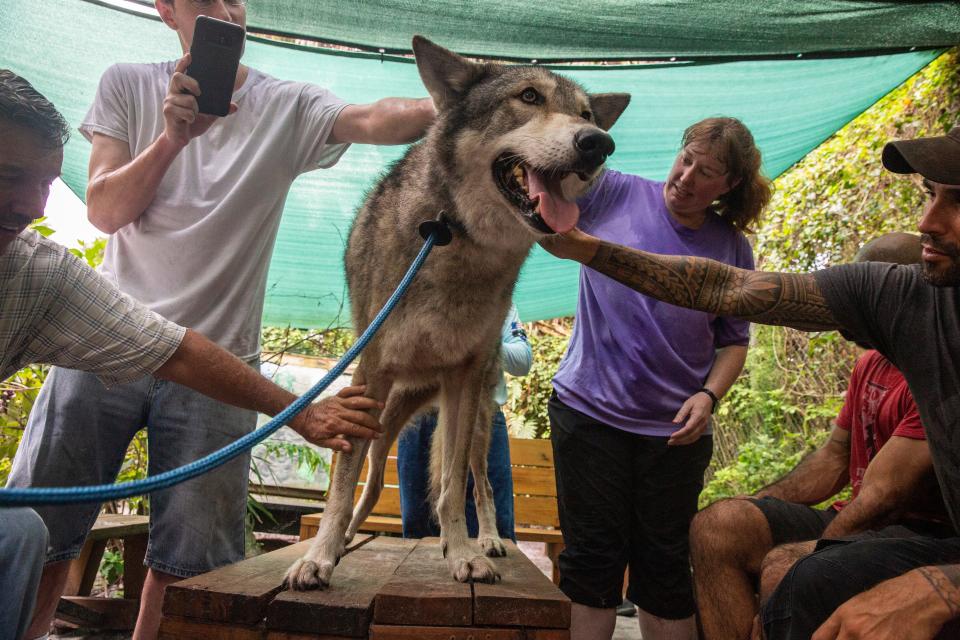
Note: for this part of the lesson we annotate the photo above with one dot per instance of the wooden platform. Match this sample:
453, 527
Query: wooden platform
383, 589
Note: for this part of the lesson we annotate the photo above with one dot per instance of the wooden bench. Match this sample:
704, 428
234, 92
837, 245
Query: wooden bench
384, 588
534, 499
76, 606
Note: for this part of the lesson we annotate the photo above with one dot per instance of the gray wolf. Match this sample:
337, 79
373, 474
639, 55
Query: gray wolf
509, 150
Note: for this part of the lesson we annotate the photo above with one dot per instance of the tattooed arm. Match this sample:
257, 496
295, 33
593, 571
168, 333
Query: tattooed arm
787, 299
913, 606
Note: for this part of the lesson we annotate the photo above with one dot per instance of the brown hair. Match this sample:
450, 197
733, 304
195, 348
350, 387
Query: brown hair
734, 147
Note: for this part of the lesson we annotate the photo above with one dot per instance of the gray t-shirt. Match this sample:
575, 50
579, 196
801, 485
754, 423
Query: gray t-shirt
917, 327
200, 252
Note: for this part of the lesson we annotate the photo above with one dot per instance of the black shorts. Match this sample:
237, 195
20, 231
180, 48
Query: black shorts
792, 522
840, 569
625, 500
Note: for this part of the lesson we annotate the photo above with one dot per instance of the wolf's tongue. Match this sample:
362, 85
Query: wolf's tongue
559, 214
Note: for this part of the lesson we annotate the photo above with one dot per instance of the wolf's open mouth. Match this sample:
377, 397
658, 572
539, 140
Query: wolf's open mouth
536, 193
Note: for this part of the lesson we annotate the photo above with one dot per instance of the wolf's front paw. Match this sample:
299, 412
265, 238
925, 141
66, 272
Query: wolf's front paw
476, 569
306, 574
492, 547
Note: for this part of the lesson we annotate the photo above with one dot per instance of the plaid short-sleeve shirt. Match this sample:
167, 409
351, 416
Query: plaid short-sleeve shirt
55, 309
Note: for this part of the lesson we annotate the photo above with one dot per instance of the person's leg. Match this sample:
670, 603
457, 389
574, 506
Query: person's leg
500, 475
728, 543
822, 581
77, 435
23, 547
667, 484
777, 563
593, 464
413, 468
198, 525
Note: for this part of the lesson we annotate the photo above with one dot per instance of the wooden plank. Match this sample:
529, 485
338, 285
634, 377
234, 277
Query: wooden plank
390, 632
373, 524
111, 525
237, 593
536, 510
523, 597
534, 481
534, 534
422, 592
173, 628
283, 635
548, 634
529, 452
105, 614
387, 505
346, 607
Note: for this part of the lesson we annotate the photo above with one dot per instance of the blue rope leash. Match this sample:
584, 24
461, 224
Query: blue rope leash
100, 493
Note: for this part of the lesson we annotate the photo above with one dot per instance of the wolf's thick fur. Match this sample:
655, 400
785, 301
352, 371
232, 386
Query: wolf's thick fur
443, 338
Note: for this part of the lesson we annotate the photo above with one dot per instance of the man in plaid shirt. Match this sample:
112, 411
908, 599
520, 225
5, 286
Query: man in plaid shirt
55, 309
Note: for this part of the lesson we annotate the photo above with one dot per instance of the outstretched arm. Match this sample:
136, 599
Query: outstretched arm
386, 121
793, 300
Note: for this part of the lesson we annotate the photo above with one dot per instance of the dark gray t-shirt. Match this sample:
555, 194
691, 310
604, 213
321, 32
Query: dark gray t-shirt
917, 327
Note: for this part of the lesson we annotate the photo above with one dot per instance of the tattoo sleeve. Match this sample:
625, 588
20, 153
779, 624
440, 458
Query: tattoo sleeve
945, 580
793, 300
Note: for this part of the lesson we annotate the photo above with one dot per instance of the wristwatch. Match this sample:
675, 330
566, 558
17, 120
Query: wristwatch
713, 397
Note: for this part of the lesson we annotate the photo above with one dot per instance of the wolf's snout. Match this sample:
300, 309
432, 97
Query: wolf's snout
594, 146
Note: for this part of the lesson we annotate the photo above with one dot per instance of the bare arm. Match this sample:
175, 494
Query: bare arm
890, 485
120, 188
386, 121
913, 606
819, 475
203, 366
792, 300
695, 412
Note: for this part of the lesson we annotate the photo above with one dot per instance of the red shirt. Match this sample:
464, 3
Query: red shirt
878, 405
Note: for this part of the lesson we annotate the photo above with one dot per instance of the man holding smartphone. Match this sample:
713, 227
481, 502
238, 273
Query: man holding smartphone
193, 202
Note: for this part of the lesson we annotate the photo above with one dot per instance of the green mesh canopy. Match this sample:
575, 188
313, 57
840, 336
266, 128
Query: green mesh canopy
790, 105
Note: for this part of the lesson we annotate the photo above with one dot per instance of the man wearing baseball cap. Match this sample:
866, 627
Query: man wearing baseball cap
857, 587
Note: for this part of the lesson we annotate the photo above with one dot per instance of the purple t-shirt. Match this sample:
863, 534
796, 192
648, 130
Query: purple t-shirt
632, 360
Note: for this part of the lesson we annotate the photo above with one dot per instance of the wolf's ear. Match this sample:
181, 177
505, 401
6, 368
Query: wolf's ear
445, 74
607, 107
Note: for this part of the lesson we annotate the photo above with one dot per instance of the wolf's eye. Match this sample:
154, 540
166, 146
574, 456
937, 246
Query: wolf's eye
531, 96
586, 115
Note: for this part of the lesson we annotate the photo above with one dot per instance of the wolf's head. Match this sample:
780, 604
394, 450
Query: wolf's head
516, 138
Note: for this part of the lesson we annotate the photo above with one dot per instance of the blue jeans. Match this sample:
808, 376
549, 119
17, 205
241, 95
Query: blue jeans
23, 545
413, 465
77, 435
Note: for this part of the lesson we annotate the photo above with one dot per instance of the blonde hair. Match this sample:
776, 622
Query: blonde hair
734, 146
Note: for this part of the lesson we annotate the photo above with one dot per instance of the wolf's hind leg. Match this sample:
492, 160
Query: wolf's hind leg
487, 536
314, 569
459, 408
401, 405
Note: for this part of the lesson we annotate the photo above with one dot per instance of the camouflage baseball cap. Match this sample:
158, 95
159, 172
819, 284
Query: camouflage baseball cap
936, 159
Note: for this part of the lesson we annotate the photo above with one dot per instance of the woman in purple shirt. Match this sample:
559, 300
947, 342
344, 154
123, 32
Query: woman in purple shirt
630, 415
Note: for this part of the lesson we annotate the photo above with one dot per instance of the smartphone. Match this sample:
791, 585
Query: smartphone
214, 59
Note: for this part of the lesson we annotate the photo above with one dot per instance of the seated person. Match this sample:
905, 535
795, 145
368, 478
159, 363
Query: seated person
877, 446
413, 451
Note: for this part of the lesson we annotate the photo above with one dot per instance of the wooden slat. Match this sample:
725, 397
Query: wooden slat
346, 607
548, 634
106, 614
534, 534
533, 453
238, 593
172, 628
523, 597
534, 481
536, 510
390, 632
111, 525
387, 505
421, 592
310, 523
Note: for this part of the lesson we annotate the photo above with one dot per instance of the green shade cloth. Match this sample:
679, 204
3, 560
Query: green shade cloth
791, 106
625, 29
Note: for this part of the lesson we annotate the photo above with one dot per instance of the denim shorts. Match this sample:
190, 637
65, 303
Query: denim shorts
77, 435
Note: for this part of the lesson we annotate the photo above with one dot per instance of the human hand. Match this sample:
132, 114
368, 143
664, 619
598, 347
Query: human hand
181, 117
328, 423
696, 412
572, 245
907, 607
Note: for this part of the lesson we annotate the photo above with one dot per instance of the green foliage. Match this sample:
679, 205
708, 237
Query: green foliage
17, 395
91, 252
527, 396
111, 566
331, 342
